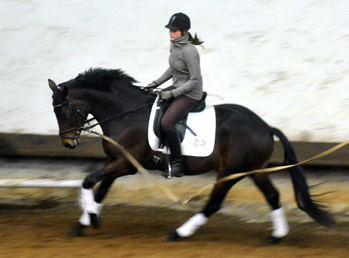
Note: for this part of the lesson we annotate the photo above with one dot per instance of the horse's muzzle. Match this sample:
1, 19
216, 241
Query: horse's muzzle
70, 143
69, 146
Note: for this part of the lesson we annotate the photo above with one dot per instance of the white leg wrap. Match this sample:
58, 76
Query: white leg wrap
88, 201
99, 207
85, 217
189, 227
279, 222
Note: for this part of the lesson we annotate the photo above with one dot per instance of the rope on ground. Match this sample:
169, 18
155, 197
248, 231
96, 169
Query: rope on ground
268, 170
137, 165
174, 198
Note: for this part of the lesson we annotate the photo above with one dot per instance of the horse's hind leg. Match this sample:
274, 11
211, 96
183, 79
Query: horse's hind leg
279, 221
214, 204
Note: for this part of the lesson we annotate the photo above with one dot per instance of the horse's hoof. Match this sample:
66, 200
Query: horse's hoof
95, 222
273, 240
173, 236
77, 231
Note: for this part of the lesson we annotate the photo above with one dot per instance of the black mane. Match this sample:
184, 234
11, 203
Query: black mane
102, 79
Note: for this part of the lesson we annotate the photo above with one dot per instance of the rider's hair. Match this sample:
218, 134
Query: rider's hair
194, 40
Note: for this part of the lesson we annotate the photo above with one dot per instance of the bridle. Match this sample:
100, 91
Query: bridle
79, 127
75, 112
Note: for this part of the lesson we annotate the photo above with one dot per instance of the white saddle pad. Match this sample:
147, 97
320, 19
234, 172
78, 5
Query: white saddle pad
204, 126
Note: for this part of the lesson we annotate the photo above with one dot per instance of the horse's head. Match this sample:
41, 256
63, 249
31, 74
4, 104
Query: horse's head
71, 115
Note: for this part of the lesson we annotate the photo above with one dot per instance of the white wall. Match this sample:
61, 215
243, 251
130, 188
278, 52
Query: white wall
286, 60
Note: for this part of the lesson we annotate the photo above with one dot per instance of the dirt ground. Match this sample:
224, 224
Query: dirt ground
136, 231
136, 218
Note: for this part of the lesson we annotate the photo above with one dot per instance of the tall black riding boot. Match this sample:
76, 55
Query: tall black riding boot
173, 142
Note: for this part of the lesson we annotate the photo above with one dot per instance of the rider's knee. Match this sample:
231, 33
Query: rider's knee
166, 125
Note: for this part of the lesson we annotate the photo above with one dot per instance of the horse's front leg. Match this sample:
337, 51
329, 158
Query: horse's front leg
91, 204
86, 218
91, 207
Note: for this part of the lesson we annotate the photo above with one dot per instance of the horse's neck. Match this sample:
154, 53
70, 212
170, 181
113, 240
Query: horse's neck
110, 110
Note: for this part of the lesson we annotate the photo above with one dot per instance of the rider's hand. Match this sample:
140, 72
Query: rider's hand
153, 84
167, 95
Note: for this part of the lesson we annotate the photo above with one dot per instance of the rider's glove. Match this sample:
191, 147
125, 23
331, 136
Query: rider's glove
167, 95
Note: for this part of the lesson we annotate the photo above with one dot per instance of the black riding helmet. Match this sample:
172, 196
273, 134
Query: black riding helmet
179, 21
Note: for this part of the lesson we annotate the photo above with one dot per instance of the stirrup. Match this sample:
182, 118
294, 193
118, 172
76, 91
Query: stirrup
168, 174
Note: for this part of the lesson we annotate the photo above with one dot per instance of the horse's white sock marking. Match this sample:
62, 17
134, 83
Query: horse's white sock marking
189, 227
279, 222
85, 217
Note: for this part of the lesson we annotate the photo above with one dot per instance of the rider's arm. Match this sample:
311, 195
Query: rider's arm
165, 77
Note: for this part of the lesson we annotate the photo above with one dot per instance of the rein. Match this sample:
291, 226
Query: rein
79, 128
74, 110
112, 117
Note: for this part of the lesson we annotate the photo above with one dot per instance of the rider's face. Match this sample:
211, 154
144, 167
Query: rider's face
175, 34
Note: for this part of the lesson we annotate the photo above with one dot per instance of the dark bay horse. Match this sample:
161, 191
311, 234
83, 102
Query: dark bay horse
243, 142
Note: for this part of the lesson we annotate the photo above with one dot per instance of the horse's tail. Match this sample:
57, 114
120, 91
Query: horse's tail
304, 200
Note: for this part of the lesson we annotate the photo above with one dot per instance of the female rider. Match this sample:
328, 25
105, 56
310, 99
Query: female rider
186, 91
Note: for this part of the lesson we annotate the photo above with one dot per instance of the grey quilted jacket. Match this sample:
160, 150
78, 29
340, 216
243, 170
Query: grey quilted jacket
184, 69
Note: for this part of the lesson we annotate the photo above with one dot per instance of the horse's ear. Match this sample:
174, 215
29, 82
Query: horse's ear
52, 85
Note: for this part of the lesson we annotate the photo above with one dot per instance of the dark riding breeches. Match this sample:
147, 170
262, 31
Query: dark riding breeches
177, 111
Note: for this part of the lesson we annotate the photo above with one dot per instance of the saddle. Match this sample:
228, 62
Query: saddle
181, 126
